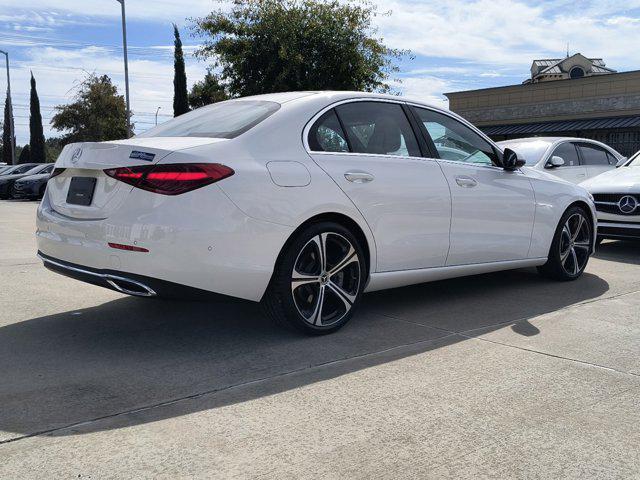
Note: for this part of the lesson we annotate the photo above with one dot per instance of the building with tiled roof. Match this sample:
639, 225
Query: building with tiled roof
574, 66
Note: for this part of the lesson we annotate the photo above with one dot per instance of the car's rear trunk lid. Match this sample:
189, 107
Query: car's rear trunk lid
89, 160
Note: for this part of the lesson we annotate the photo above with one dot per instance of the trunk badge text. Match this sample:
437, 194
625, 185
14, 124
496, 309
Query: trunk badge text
148, 157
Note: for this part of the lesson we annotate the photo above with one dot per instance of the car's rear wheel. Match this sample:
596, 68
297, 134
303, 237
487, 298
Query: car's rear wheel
571, 246
318, 281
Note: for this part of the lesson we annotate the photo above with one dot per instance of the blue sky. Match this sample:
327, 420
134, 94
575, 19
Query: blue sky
458, 45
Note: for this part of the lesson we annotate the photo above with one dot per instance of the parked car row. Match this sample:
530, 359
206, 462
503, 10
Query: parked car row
27, 180
612, 179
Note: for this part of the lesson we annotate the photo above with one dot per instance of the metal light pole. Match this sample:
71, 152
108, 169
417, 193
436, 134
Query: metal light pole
12, 128
126, 67
157, 110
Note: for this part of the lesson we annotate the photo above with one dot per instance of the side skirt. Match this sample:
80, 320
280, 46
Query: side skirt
402, 278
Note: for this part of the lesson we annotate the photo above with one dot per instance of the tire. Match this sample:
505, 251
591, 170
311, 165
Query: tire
323, 266
571, 246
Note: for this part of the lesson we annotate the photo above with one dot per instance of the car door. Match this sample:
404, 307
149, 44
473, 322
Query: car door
573, 170
371, 151
492, 209
595, 159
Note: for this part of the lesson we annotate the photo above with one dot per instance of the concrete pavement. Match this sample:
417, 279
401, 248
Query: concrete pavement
505, 375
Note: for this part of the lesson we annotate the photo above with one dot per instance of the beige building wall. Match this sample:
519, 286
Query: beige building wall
616, 94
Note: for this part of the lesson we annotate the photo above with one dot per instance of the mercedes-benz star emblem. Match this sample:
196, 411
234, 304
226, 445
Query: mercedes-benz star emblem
77, 153
627, 204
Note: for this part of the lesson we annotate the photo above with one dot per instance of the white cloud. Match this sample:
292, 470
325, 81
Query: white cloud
511, 32
167, 10
425, 88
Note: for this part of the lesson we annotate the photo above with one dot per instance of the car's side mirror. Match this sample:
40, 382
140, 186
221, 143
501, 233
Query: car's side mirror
621, 162
555, 162
510, 160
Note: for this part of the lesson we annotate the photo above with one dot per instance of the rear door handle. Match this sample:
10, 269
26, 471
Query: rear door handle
466, 182
359, 177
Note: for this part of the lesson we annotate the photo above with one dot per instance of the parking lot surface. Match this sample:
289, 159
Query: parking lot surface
505, 375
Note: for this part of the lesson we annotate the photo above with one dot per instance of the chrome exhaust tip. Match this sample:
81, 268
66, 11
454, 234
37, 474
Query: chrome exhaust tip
124, 285
130, 287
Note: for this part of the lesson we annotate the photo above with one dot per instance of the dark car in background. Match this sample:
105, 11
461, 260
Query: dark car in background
15, 169
32, 186
8, 179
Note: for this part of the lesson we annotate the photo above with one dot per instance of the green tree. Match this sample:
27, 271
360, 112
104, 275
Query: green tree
54, 147
98, 113
180, 95
36, 135
6, 134
268, 46
25, 155
207, 91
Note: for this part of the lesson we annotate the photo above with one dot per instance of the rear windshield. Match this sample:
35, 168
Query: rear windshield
220, 120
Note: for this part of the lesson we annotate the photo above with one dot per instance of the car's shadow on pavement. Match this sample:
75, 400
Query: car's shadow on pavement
619, 251
117, 359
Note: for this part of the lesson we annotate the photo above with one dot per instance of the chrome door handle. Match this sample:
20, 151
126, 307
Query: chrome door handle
359, 177
466, 182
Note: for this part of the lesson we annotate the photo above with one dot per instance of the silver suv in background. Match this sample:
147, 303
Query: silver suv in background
572, 159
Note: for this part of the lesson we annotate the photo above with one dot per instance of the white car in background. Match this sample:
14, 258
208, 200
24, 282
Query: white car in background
572, 159
305, 201
617, 198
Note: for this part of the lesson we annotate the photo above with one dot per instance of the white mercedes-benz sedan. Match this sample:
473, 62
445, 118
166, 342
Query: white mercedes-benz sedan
617, 199
304, 201
572, 159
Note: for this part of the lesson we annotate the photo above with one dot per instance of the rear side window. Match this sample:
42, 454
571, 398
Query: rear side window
612, 160
220, 120
592, 155
455, 141
568, 152
378, 128
327, 135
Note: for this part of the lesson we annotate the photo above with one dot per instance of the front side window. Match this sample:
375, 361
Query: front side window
326, 135
378, 128
593, 155
220, 120
568, 152
455, 141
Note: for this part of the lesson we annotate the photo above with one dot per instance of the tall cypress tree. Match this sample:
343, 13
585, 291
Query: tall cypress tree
180, 95
25, 155
36, 135
6, 134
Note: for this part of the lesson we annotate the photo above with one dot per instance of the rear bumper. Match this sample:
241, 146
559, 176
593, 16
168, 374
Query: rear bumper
198, 240
125, 282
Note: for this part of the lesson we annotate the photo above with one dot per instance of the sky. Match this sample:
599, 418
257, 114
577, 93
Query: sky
455, 44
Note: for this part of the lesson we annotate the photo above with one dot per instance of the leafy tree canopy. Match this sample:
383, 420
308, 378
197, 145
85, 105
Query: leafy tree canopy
268, 46
98, 113
207, 91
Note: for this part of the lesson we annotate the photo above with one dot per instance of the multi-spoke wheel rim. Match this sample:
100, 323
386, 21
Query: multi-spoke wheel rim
575, 243
326, 279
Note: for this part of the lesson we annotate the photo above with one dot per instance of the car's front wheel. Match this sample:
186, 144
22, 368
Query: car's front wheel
571, 246
318, 281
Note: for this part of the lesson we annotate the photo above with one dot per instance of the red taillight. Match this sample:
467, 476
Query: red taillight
171, 179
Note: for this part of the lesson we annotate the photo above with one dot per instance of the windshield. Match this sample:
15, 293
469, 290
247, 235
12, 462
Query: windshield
634, 161
220, 120
34, 170
530, 152
17, 169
